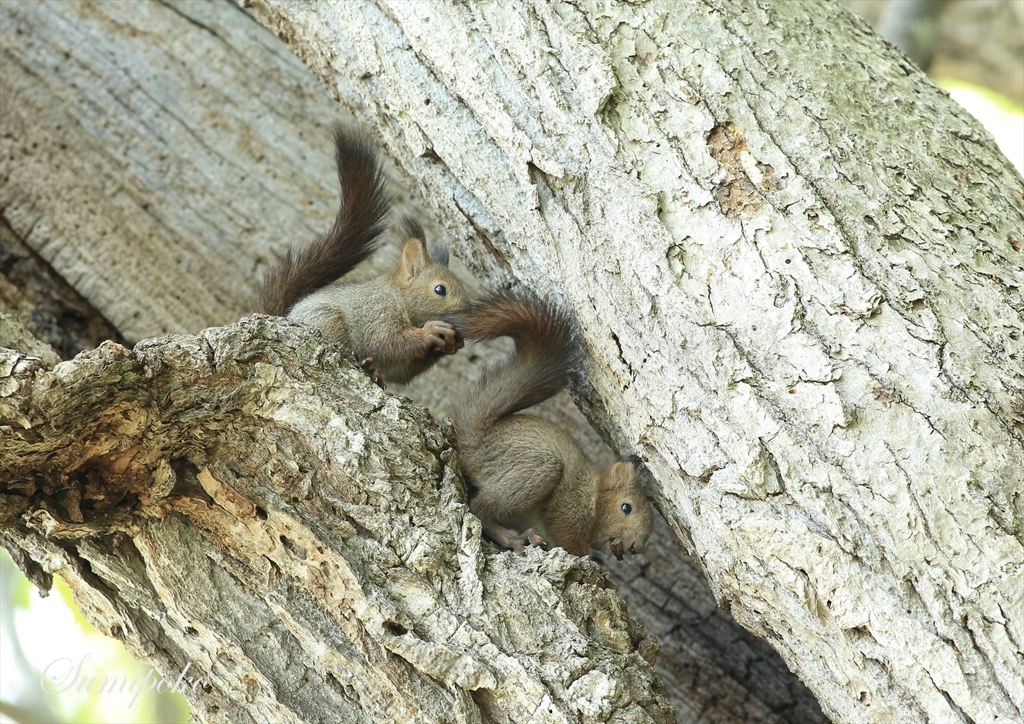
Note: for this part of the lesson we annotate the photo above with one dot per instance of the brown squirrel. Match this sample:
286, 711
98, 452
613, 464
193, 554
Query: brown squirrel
392, 322
528, 474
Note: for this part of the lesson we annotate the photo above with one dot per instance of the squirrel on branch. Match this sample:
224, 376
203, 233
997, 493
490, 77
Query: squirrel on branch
531, 482
392, 322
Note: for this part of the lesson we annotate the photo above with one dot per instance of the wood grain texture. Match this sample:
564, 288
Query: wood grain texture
39, 298
134, 124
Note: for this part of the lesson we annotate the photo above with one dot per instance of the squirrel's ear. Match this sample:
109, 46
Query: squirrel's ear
414, 259
618, 476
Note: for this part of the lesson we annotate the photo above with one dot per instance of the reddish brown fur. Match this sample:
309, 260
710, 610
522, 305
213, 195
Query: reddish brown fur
528, 474
392, 323
354, 236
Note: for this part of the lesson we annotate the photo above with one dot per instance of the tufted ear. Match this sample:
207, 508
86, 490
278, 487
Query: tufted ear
640, 469
414, 259
439, 254
411, 228
619, 476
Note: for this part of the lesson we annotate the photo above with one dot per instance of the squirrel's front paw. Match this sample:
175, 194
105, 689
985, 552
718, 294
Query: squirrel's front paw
442, 337
528, 537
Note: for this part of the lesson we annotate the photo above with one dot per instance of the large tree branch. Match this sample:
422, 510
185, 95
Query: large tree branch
274, 522
802, 310
798, 267
217, 141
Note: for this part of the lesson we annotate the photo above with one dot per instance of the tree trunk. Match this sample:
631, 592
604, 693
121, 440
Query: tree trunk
798, 269
769, 270
156, 156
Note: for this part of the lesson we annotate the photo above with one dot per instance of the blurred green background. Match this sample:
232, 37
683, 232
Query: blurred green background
36, 632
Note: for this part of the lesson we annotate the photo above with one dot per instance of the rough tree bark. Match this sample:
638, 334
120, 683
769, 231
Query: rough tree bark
250, 462
798, 266
769, 263
155, 156
335, 546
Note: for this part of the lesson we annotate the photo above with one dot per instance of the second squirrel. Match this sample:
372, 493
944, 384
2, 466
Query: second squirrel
392, 322
532, 484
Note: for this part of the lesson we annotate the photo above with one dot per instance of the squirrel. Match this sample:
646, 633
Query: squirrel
392, 322
531, 482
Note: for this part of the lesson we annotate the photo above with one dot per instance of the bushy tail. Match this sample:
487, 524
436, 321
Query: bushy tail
547, 349
365, 201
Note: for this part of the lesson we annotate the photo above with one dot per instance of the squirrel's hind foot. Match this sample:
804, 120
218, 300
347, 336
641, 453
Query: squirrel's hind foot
373, 372
528, 538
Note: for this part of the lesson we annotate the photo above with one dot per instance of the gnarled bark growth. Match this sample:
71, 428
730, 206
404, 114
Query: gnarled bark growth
300, 537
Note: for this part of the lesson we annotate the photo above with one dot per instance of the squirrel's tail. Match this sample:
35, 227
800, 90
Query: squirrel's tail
547, 349
365, 201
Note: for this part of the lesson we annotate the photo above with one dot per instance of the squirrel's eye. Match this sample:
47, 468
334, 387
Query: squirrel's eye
440, 290
627, 508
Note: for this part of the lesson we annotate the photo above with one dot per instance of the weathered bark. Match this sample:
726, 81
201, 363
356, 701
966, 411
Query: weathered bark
334, 537
86, 119
40, 299
798, 269
207, 180
766, 303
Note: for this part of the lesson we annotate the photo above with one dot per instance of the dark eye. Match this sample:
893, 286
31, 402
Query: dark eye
626, 508
440, 290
